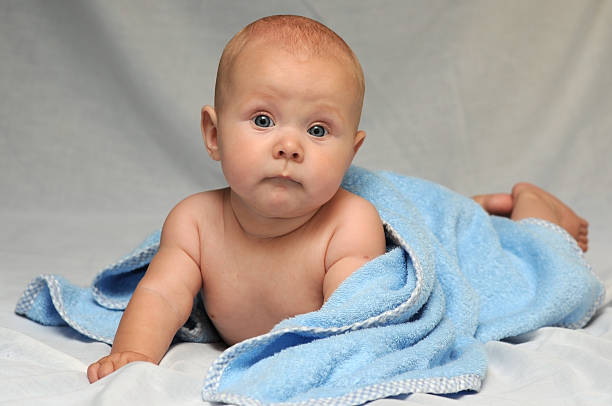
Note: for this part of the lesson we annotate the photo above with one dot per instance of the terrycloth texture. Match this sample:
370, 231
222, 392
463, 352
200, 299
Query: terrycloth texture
96, 311
413, 320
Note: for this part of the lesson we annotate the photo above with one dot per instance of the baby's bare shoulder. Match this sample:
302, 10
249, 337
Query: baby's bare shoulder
350, 207
357, 223
199, 206
357, 238
189, 216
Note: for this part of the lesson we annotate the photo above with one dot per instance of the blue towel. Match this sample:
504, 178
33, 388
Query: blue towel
412, 320
95, 311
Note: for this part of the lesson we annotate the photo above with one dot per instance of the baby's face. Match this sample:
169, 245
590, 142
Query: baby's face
287, 131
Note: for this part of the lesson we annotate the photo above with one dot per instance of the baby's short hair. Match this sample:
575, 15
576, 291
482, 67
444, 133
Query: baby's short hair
295, 34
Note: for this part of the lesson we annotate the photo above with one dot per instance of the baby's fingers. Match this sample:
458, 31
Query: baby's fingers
113, 362
100, 369
105, 366
92, 372
109, 365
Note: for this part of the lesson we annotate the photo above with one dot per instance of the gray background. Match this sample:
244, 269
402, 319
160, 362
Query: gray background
100, 105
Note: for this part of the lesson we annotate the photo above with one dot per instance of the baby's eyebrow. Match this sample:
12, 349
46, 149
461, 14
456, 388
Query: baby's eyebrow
331, 110
257, 99
260, 95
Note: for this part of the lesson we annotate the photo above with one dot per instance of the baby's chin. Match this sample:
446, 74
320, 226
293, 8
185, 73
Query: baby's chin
286, 199
286, 212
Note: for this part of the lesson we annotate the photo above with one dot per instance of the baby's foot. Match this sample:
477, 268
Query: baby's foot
499, 204
531, 201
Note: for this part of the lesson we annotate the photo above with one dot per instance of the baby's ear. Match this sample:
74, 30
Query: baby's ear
359, 138
209, 132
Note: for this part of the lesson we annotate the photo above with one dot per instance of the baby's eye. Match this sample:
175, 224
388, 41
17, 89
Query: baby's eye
263, 121
317, 131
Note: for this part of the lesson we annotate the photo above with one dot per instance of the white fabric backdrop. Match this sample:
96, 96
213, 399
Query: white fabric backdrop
99, 138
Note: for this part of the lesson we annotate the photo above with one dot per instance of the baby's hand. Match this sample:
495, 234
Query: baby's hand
113, 362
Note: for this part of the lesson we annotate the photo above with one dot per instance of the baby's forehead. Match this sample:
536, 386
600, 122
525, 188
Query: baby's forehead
281, 60
297, 37
275, 47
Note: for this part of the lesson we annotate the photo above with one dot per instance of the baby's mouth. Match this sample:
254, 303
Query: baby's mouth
283, 179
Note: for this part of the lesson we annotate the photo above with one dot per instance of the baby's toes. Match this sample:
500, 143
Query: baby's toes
583, 242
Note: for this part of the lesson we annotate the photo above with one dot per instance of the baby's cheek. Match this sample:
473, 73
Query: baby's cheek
235, 175
329, 180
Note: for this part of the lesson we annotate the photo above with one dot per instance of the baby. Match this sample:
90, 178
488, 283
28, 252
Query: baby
283, 235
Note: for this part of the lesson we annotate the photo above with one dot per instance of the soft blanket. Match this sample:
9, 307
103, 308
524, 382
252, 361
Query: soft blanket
412, 320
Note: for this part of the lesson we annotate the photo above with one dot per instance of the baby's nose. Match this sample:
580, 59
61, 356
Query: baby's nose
289, 150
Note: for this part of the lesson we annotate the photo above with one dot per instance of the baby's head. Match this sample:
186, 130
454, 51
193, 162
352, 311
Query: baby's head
299, 36
288, 102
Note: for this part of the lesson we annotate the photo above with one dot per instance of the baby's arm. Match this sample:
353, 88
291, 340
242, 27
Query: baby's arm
359, 238
163, 299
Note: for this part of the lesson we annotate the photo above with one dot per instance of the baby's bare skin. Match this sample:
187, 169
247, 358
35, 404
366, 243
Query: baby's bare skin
527, 200
252, 283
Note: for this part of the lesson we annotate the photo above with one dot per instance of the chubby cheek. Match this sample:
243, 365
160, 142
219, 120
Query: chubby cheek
238, 165
238, 170
329, 174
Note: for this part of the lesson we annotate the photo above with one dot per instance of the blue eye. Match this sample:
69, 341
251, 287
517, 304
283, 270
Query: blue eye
263, 121
317, 131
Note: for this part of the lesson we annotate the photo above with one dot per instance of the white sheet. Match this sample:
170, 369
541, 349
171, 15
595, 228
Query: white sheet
99, 138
